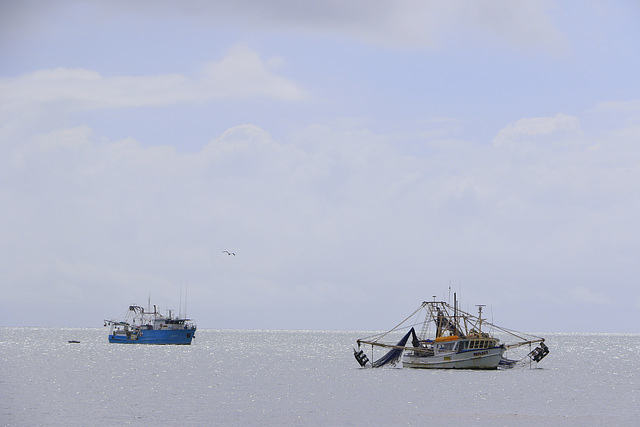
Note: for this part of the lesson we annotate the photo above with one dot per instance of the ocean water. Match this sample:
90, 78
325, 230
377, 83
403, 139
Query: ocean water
236, 377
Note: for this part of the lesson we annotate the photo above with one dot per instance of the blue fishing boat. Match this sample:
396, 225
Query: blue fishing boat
142, 326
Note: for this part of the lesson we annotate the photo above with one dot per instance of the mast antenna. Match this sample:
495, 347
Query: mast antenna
186, 292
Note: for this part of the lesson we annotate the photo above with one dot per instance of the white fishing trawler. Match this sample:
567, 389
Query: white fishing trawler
450, 338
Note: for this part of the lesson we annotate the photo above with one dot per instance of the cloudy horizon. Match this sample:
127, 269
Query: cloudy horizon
358, 158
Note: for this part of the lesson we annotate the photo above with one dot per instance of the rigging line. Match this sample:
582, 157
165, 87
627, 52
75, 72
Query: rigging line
377, 344
503, 329
517, 333
409, 317
510, 332
520, 344
383, 334
514, 333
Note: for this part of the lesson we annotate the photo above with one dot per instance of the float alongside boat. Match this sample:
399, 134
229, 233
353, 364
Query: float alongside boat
151, 327
450, 338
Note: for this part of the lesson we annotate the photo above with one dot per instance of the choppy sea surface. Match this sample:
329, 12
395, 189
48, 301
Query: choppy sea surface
261, 377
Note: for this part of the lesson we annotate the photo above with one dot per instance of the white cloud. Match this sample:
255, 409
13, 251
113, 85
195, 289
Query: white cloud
241, 73
105, 203
413, 23
525, 130
322, 219
74, 138
519, 23
392, 23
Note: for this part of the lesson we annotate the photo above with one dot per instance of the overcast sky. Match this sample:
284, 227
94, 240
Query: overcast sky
358, 157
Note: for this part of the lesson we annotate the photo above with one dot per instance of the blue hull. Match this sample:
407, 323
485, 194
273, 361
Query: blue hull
176, 336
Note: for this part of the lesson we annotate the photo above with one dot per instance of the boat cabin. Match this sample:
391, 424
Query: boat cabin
455, 345
172, 324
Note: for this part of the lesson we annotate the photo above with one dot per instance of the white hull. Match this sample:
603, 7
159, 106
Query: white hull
487, 358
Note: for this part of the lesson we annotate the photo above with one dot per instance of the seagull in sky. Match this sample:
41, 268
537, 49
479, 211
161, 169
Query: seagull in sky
229, 253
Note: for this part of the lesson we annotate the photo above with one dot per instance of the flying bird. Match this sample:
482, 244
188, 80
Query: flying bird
229, 253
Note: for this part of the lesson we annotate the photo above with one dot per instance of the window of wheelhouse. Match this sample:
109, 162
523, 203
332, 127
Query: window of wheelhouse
479, 344
446, 346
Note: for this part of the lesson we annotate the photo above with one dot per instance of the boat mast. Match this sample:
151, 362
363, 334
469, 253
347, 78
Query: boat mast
455, 312
480, 316
186, 293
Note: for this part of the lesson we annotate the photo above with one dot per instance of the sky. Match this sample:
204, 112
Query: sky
358, 158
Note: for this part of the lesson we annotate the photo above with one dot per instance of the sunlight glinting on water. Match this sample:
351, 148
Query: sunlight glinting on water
302, 378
